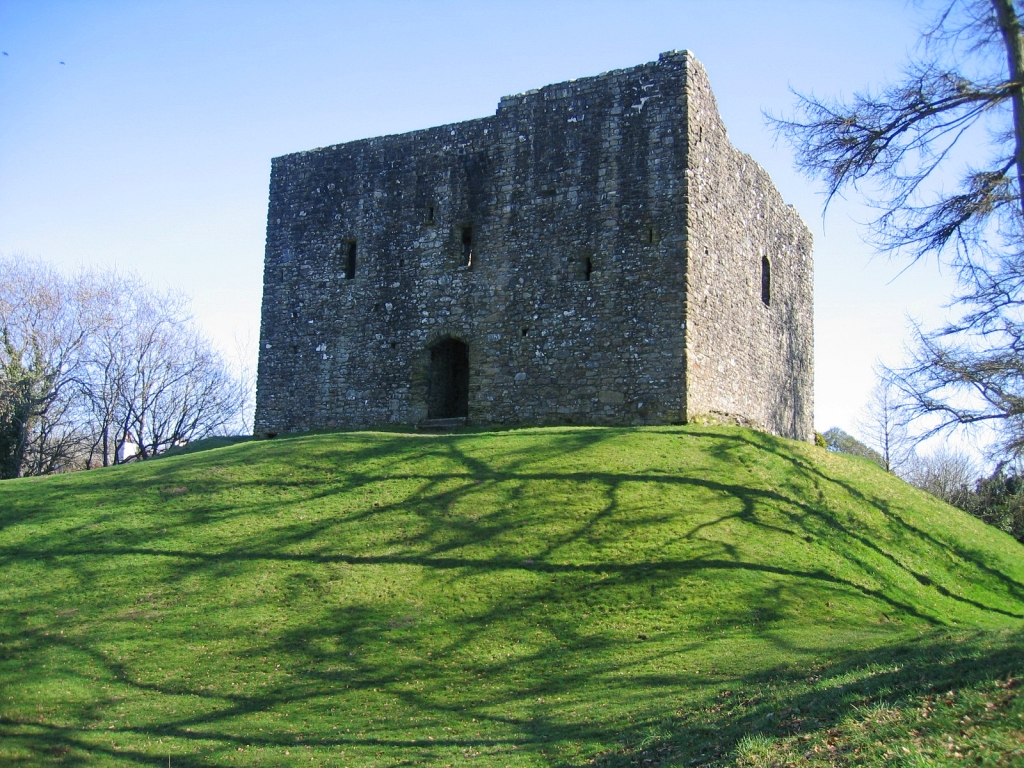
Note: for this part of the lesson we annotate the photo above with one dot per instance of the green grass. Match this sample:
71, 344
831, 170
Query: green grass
538, 597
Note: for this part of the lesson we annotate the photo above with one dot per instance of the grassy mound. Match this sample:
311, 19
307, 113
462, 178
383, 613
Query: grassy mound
564, 596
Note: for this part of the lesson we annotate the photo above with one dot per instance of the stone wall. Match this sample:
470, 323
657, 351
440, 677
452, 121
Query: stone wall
551, 240
747, 359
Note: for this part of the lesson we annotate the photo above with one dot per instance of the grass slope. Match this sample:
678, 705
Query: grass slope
540, 597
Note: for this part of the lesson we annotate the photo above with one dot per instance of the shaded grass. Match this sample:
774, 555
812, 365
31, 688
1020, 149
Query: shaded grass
558, 596
944, 698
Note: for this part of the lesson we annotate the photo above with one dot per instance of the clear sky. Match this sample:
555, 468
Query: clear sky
138, 133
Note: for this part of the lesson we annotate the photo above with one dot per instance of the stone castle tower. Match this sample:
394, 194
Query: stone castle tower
596, 252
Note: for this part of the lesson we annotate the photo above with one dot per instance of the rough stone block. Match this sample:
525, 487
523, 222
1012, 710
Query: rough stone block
601, 231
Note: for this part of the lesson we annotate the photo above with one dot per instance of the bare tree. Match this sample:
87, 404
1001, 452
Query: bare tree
243, 368
890, 144
884, 424
177, 387
961, 96
100, 368
102, 389
41, 338
947, 473
110, 391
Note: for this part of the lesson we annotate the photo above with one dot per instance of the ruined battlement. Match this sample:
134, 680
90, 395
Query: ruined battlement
596, 252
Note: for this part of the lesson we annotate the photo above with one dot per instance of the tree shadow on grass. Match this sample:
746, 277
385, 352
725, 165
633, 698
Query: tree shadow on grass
784, 450
811, 700
479, 601
805, 698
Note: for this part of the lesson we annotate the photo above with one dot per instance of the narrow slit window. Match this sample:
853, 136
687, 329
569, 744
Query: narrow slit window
430, 215
766, 281
467, 245
582, 268
350, 260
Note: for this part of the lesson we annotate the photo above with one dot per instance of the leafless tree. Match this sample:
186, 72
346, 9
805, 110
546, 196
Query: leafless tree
242, 366
958, 111
99, 368
889, 145
176, 387
884, 424
41, 338
947, 473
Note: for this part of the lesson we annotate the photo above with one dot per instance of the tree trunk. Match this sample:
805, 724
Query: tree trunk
1009, 26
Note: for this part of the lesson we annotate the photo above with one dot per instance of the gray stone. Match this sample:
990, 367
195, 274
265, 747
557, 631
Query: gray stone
593, 253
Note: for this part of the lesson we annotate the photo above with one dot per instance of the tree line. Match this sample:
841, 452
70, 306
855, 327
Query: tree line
98, 368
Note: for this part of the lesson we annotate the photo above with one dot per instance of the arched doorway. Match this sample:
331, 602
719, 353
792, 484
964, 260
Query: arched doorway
448, 380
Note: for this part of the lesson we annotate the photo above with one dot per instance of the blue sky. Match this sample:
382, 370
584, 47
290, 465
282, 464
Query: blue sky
149, 147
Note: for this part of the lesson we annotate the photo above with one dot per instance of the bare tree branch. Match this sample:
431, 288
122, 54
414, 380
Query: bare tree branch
99, 368
957, 113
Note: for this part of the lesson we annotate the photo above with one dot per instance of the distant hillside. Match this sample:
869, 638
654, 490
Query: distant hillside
536, 597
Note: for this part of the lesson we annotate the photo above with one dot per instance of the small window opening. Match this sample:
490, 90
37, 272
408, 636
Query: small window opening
651, 236
467, 245
525, 331
766, 281
393, 345
430, 215
582, 268
350, 260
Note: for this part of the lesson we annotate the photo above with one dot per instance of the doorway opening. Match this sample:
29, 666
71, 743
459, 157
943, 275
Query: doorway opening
448, 380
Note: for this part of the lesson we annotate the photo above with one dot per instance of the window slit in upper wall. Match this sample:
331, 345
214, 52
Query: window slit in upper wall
766, 281
467, 245
350, 260
582, 268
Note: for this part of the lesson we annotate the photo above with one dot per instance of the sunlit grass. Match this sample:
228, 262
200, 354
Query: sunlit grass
685, 595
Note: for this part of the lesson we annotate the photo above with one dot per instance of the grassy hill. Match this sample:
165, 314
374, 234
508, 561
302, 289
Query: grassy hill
538, 597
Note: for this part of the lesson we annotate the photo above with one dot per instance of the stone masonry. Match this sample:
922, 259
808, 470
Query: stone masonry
596, 252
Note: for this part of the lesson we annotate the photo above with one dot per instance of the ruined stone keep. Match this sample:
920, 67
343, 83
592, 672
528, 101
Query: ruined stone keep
596, 252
